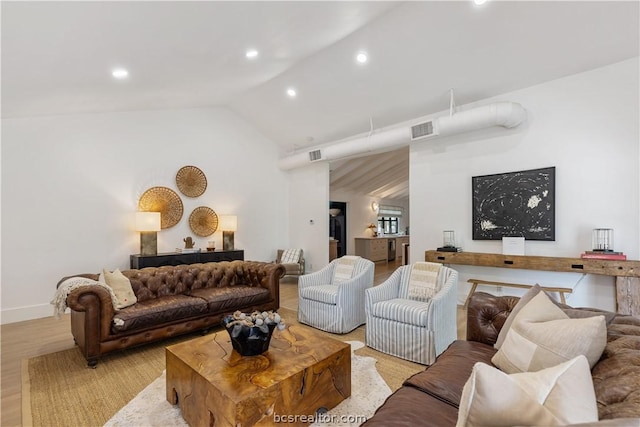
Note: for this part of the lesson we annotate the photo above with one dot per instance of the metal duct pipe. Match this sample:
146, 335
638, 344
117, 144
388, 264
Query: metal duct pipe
505, 114
391, 138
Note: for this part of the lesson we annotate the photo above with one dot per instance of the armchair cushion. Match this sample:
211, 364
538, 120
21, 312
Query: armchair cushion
402, 310
327, 294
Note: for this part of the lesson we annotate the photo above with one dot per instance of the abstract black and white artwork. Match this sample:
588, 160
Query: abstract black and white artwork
514, 204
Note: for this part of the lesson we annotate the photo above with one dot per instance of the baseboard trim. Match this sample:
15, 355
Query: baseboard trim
20, 314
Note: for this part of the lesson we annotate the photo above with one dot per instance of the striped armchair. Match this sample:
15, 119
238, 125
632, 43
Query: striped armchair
332, 299
408, 328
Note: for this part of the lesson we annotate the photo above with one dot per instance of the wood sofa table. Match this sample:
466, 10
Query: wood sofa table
301, 372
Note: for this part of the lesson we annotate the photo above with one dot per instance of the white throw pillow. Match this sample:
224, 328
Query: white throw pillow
290, 256
559, 395
423, 281
121, 286
524, 299
542, 335
344, 268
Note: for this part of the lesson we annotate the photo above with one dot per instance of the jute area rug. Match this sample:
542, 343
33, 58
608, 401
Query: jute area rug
59, 390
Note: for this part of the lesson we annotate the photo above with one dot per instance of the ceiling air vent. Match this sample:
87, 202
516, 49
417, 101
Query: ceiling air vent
423, 130
315, 155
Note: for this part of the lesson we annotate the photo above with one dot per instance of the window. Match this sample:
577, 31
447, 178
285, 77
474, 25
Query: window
388, 225
389, 219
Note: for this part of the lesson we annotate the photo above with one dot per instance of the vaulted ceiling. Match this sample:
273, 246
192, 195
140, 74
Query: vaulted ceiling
381, 176
57, 58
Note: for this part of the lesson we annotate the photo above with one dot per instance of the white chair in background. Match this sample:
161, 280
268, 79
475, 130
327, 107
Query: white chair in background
292, 260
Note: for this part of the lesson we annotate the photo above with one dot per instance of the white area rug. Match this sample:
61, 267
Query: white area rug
368, 392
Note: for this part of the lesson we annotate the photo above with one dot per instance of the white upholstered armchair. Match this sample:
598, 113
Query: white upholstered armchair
292, 260
332, 299
412, 315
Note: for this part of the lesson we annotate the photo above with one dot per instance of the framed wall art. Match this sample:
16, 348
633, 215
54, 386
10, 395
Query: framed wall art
514, 204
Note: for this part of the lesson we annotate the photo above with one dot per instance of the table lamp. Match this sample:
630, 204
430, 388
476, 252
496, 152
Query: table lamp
148, 224
228, 225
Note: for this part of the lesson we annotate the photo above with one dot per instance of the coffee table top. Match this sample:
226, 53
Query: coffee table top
290, 352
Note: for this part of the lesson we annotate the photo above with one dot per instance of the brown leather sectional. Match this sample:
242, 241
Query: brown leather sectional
172, 300
431, 397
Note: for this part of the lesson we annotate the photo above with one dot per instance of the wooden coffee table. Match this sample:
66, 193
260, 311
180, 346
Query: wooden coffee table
301, 372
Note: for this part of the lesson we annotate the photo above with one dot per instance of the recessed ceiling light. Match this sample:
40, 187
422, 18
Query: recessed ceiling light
251, 53
480, 2
291, 92
120, 73
362, 57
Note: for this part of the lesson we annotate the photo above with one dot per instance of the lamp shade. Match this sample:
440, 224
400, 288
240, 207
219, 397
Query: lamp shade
147, 221
228, 223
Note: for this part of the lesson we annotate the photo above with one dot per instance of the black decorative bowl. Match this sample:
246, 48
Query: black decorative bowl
249, 340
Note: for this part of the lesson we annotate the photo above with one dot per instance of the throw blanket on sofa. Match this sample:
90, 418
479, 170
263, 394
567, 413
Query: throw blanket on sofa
59, 300
423, 283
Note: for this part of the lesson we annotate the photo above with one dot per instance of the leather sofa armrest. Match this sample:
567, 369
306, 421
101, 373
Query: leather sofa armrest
486, 315
95, 302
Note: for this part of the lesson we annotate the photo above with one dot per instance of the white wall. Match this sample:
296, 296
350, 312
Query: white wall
70, 187
309, 213
586, 126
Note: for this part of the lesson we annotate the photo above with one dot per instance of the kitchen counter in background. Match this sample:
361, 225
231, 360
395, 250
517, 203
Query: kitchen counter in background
333, 249
382, 248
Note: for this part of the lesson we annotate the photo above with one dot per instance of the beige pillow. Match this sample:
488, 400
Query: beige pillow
121, 287
559, 395
524, 299
344, 268
542, 335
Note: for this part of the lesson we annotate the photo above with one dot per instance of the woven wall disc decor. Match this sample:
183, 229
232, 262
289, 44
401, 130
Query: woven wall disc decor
163, 200
203, 221
191, 181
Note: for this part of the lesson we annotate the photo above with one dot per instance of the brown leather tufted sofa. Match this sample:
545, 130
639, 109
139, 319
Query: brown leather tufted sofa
431, 397
172, 300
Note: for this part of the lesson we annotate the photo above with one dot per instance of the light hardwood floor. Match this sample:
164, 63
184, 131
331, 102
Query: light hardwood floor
23, 340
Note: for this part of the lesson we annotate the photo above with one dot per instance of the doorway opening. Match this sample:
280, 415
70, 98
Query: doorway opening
338, 225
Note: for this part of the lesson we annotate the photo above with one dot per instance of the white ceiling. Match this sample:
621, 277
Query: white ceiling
57, 57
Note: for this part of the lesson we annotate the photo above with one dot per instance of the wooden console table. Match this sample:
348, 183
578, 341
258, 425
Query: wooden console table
626, 273
176, 258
